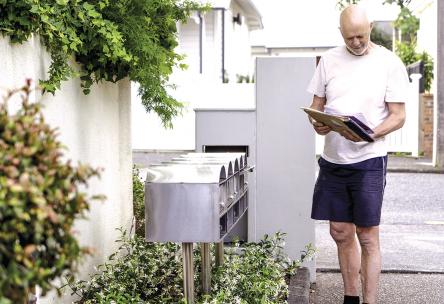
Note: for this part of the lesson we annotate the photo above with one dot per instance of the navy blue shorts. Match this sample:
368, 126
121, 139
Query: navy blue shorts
350, 193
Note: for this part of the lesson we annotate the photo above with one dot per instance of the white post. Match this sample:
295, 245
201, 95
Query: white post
413, 114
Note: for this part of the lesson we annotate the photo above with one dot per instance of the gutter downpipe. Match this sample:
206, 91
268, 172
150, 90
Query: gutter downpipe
200, 43
222, 9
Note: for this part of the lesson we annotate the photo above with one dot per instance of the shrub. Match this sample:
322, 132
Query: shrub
40, 197
142, 272
138, 203
407, 52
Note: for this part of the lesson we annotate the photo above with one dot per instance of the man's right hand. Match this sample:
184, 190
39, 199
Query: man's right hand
321, 128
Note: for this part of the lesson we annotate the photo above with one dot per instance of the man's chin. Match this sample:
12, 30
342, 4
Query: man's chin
359, 52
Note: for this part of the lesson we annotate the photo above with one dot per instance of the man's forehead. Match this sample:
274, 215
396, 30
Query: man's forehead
353, 16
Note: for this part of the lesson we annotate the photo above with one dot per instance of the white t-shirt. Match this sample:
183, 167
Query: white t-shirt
358, 84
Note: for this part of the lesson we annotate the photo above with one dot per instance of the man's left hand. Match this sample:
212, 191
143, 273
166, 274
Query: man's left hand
350, 136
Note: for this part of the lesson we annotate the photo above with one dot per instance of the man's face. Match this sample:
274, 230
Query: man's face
356, 38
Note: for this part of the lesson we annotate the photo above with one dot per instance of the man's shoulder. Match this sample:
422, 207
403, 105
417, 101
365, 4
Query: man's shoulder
383, 51
335, 51
334, 54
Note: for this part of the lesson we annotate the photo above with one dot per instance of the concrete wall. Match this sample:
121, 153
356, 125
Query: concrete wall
285, 152
96, 130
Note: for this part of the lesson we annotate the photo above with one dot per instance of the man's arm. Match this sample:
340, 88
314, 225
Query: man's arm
394, 121
318, 103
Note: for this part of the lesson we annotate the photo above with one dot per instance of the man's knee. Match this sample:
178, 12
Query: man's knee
368, 238
342, 233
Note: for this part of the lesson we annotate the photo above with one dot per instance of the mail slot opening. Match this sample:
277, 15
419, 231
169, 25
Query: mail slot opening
215, 149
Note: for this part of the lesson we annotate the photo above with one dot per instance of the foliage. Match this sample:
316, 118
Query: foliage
400, 3
138, 203
407, 52
428, 69
244, 78
379, 37
142, 272
149, 29
110, 40
341, 4
40, 197
258, 274
408, 24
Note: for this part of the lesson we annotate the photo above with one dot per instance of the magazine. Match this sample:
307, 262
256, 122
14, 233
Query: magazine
340, 122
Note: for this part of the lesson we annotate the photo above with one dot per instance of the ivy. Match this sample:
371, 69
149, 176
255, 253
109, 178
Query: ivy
110, 40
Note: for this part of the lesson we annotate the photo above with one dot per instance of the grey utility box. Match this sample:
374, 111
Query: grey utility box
280, 142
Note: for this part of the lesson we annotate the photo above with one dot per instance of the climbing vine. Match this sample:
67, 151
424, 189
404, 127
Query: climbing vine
109, 40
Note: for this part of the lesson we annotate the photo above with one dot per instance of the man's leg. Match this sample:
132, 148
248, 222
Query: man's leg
370, 262
344, 234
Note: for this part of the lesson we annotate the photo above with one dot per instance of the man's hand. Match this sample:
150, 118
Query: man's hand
318, 104
350, 136
320, 128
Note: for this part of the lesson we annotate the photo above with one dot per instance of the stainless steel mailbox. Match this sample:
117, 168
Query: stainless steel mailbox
197, 197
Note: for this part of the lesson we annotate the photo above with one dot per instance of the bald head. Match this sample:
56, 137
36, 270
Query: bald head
355, 29
353, 16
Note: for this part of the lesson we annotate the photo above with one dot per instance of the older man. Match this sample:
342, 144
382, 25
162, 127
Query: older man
365, 79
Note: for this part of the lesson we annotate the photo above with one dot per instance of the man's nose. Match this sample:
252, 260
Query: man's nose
356, 42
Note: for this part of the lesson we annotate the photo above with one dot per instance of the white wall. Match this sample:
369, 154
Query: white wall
194, 91
96, 130
238, 47
189, 43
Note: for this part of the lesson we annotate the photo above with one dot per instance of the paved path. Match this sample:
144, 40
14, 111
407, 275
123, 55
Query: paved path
394, 289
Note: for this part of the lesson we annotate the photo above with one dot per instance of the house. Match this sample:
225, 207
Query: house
216, 43
218, 50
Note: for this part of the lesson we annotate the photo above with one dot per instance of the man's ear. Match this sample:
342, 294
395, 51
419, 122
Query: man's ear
371, 26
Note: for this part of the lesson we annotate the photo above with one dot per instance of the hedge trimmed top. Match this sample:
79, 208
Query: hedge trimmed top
110, 40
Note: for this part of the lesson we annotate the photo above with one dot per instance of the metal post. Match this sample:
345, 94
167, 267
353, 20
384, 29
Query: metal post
188, 272
206, 267
219, 254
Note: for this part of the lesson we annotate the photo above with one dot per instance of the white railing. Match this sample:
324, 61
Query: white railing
405, 139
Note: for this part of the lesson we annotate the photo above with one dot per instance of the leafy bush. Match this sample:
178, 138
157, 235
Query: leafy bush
110, 40
407, 52
139, 271
258, 274
381, 38
40, 197
142, 272
138, 203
